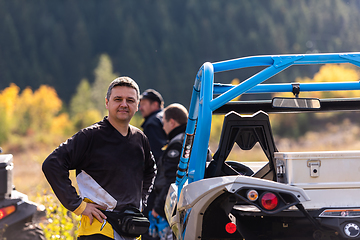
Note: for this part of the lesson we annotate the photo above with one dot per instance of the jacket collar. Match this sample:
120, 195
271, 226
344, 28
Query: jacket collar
176, 131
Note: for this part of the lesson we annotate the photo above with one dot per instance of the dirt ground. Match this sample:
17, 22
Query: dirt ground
27, 175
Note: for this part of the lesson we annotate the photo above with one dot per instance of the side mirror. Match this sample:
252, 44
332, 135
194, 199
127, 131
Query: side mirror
297, 103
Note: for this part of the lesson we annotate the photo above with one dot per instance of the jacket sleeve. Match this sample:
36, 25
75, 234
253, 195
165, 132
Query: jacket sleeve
149, 173
56, 170
170, 162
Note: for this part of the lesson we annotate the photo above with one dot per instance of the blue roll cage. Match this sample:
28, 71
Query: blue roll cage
192, 163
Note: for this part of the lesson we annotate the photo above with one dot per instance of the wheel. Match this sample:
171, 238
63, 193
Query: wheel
30, 231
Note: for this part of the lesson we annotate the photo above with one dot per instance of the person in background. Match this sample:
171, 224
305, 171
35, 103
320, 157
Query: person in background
113, 162
151, 108
174, 124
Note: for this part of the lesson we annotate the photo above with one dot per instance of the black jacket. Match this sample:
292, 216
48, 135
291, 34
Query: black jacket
168, 167
105, 161
153, 129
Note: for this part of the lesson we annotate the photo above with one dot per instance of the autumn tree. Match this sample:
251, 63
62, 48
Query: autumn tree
333, 73
23, 111
46, 105
82, 106
8, 97
295, 125
82, 100
31, 113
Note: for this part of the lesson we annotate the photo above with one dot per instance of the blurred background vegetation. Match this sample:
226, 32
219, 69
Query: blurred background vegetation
58, 57
159, 43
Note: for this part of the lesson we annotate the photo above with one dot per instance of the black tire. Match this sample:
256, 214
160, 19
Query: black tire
30, 231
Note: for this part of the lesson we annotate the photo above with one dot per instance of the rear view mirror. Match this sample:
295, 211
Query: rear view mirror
298, 103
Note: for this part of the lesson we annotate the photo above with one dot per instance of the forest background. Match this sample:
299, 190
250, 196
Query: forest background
58, 57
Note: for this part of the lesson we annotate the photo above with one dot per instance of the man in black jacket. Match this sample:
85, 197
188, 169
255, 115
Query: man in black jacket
151, 106
113, 162
174, 124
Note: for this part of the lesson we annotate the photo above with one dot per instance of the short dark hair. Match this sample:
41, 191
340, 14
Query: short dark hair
153, 96
177, 112
123, 81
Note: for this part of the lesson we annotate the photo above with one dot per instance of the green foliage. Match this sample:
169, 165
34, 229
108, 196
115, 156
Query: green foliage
103, 76
291, 125
4, 130
87, 118
161, 44
82, 100
61, 223
82, 106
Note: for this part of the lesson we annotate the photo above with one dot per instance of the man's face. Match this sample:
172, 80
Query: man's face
147, 107
123, 104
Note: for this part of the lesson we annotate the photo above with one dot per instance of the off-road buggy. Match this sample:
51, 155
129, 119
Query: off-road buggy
294, 195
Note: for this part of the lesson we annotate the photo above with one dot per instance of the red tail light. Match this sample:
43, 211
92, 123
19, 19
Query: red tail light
230, 227
269, 201
6, 211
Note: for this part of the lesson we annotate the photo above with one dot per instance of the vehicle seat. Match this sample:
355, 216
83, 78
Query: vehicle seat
245, 131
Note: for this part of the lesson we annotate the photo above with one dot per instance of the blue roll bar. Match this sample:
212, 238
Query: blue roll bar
286, 87
203, 104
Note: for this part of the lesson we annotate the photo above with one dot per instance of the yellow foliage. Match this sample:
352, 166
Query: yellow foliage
216, 127
137, 120
297, 124
30, 112
48, 99
46, 104
87, 118
8, 98
61, 125
26, 99
331, 73
336, 73
236, 81
92, 116
23, 108
61, 223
